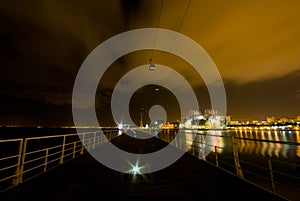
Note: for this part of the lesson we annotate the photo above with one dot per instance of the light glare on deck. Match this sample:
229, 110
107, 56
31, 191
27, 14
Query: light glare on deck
135, 169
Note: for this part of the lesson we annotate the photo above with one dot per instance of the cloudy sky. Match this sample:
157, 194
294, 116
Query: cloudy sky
254, 44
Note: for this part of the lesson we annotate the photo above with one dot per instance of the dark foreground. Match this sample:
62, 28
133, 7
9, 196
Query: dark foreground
84, 178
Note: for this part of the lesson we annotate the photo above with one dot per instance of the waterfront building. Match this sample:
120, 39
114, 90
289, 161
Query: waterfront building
209, 120
283, 120
271, 120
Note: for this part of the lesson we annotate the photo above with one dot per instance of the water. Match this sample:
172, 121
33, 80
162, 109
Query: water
279, 144
275, 144
25, 132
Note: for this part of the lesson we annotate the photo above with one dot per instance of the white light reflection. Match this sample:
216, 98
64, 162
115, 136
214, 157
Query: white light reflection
278, 145
298, 140
257, 142
264, 144
216, 140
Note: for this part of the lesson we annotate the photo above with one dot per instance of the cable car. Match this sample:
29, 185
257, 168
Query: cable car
151, 66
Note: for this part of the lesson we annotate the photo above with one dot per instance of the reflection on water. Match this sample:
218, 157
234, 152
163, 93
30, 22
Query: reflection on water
277, 144
298, 140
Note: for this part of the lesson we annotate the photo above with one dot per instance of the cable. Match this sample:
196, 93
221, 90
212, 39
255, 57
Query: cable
184, 15
179, 28
157, 26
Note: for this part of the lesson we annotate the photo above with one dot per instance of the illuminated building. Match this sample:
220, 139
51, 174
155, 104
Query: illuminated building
209, 120
271, 120
283, 120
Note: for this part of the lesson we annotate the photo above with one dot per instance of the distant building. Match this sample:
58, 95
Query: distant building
209, 120
228, 119
271, 120
168, 126
157, 124
283, 120
256, 122
235, 122
297, 119
176, 124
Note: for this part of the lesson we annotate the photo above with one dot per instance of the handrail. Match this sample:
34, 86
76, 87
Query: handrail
8, 167
35, 155
40, 150
8, 157
11, 166
53, 136
11, 140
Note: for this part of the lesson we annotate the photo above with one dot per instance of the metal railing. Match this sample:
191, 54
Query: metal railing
11, 152
280, 177
24, 159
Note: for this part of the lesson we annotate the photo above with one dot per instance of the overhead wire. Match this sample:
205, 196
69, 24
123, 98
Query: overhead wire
184, 15
157, 26
179, 29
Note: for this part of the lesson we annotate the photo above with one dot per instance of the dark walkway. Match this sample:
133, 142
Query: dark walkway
85, 179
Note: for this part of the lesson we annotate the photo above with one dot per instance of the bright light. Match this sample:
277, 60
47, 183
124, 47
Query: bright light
121, 125
136, 169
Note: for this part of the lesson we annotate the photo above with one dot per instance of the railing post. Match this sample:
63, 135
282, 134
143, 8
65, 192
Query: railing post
16, 179
61, 161
46, 160
74, 149
82, 143
94, 145
203, 147
89, 146
238, 168
103, 139
98, 140
217, 158
22, 161
271, 175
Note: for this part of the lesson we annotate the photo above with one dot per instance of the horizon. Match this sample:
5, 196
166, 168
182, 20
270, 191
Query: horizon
113, 126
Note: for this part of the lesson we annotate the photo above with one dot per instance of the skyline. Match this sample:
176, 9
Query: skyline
255, 46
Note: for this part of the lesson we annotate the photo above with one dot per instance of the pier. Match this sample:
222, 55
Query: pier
84, 178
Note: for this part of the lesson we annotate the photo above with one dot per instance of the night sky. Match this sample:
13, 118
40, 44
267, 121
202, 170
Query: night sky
254, 44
